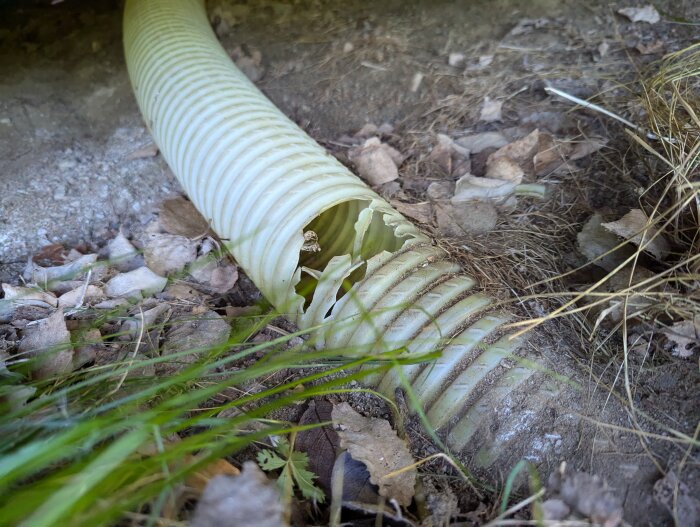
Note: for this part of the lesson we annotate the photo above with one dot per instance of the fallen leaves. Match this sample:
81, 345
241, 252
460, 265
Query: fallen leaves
179, 216
373, 442
636, 227
648, 14
684, 337
135, 284
48, 342
238, 501
165, 254
491, 110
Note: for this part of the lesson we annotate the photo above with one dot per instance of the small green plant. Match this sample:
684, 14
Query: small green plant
294, 467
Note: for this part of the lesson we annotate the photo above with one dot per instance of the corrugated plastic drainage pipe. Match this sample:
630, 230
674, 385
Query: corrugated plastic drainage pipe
278, 197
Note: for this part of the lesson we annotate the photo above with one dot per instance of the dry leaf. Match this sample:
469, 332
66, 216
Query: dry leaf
491, 110
179, 216
416, 81
74, 270
87, 344
319, 443
657, 46
216, 276
367, 130
477, 143
190, 337
53, 254
585, 148
373, 442
634, 227
594, 241
551, 154
647, 13
150, 150
48, 341
168, 253
447, 154
420, 212
504, 168
587, 495
376, 162
141, 281
31, 296
240, 501
122, 254
685, 336
675, 495
79, 295
472, 188
521, 151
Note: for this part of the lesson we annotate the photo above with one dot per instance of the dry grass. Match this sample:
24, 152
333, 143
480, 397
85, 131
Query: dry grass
670, 293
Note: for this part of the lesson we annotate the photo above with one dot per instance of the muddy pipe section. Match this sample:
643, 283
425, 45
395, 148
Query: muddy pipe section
327, 250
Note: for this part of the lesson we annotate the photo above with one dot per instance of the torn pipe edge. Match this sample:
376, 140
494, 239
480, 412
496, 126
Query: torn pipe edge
326, 250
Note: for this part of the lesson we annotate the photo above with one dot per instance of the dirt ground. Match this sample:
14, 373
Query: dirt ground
75, 166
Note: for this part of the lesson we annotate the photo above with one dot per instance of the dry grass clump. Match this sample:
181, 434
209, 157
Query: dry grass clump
654, 286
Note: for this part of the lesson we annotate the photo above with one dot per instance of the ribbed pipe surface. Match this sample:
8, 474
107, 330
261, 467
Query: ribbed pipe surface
264, 183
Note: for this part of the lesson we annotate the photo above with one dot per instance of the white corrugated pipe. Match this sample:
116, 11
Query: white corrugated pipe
272, 191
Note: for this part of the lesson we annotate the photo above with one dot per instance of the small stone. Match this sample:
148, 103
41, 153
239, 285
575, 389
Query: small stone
456, 59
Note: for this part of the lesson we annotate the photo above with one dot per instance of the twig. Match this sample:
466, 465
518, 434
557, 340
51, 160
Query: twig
600, 109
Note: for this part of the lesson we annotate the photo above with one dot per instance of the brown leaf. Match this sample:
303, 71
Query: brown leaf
49, 342
373, 442
505, 169
319, 443
551, 154
54, 254
634, 226
594, 241
191, 337
179, 216
520, 151
685, 336
168, 253
657, 46
421, 212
